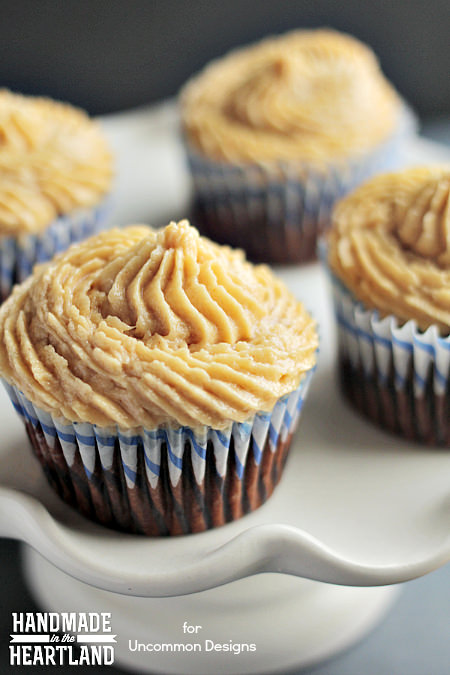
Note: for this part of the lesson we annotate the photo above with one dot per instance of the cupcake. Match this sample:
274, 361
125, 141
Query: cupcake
389, 254
160, 377
55, 172
276, 132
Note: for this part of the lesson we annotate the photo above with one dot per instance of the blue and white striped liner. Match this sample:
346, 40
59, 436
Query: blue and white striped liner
374, 344
288, 193
18, 255
87, 439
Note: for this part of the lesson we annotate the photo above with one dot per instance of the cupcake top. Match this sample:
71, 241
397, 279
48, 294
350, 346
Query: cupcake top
53, 159
138, 327
390, 245
307, 95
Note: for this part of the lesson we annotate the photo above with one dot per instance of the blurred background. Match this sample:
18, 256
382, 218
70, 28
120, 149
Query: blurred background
111, 55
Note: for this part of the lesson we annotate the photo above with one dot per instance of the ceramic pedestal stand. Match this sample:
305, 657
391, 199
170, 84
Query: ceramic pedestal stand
355, 507
292, 622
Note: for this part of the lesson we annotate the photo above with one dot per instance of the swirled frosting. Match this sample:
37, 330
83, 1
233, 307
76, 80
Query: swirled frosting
390, 244
53, 159
312, 95
138, 327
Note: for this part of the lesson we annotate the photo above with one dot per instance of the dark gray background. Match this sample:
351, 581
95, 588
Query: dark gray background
107, 55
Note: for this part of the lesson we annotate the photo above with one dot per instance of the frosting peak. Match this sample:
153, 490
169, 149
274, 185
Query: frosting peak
138, 327
181, 235
422, 215
390, 243
314, 95
176, 285
265, 100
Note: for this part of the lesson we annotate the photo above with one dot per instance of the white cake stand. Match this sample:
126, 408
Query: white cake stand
356, 508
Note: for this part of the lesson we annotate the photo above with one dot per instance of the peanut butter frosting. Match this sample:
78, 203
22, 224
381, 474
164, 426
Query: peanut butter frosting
53, 159
138, 327
307, 95
390, 245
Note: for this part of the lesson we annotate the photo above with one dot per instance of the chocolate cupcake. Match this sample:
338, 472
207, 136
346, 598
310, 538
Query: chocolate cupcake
55, 173
160, 377
276, 132
389, 254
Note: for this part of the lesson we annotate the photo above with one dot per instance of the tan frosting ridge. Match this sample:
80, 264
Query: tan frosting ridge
53, 159
390, 244
138, 327
311, 95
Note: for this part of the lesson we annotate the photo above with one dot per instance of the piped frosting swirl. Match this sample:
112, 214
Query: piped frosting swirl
53, 159
138, 327
390, 244
311, 95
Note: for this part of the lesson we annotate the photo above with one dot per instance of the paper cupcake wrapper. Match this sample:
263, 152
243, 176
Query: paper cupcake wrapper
166, 480
276, 211
18, 255
395, 374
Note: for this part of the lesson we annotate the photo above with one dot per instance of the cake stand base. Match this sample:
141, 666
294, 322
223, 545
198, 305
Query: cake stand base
285, 621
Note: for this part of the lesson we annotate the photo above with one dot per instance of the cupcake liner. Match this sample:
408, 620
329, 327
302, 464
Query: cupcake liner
18, 255
166, 480
277, 210
395, 374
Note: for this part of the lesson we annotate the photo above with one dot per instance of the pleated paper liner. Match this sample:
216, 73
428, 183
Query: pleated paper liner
163, 481
396, 375
18, 255
276, 211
